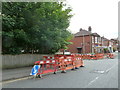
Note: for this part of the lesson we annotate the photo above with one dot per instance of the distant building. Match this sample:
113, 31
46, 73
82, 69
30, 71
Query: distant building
85, 41
111, 44
115, 44
107, 44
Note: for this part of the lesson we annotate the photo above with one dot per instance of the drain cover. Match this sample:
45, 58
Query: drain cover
98, 71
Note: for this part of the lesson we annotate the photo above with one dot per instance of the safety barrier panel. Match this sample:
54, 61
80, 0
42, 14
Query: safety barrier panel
78, 60
59, 62
94, 56
47, 66
110, 55
100, 56
66, 62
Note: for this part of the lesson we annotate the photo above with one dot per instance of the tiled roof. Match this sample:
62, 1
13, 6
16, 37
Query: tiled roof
95, 34
105, 39
82, 32
85, 32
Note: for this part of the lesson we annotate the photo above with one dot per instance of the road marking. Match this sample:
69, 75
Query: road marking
99, 76
9, 81
5, 82
92, 81
111, 67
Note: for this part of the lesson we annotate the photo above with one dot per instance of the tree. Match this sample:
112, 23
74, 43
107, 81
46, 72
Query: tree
34, 27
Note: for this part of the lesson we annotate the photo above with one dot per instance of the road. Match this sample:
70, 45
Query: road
96, 74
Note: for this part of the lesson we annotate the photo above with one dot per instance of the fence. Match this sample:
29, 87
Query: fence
22, 60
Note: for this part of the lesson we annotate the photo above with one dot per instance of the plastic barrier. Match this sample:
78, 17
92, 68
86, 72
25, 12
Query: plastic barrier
69, 62
59, 62
110, 55
47, 66
78, 60
94, 57
65, 62
97, 56
100, 56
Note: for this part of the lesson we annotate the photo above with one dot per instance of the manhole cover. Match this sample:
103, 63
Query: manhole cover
98, 71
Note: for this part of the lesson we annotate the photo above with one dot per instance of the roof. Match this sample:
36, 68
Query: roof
82, 32
95, 34
85, 32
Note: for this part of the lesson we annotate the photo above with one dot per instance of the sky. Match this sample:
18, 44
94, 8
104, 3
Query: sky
101, 15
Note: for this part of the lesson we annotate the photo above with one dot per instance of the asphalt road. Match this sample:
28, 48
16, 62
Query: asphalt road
96, 74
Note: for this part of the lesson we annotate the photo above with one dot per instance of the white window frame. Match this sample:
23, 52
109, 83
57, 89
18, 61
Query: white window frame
92, 39
96, 39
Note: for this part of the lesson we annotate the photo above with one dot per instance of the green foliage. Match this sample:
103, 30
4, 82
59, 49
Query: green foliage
106, 50
34, 27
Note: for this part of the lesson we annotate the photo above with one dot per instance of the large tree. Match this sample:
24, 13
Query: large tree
40, 27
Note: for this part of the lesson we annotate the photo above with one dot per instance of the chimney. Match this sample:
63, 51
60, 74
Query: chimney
89, 28
80, 29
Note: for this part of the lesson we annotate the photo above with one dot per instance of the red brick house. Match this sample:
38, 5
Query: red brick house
107, 44
115, 43
85, 41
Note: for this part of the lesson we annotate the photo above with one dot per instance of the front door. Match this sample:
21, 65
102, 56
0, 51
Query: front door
79, 50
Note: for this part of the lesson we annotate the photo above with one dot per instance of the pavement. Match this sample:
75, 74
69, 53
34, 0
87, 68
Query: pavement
101, 73
12, 74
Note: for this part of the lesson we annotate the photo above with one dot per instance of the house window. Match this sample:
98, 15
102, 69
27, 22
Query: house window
92, 39
96, 39
81, 44
100, 40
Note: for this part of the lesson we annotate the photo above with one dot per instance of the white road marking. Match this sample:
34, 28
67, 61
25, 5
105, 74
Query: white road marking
111, 67
5, 82
92, 81
99, 76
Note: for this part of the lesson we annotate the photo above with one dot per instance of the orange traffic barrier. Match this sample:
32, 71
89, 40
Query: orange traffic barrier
65, 62
47, 66
94, 57
59, 62
110, 55
78, 61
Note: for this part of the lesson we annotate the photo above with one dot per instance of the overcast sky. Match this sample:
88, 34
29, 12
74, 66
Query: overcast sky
101, 15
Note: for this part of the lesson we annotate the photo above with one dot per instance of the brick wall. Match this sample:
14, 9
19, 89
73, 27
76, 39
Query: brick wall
83, 42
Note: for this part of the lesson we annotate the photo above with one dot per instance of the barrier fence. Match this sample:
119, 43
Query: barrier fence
59, 63
66, 62
110, 55
91, 56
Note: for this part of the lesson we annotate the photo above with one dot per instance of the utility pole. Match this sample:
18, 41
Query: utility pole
83, 44
90, 44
